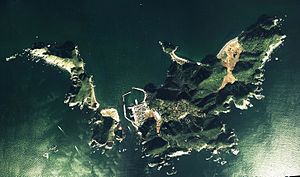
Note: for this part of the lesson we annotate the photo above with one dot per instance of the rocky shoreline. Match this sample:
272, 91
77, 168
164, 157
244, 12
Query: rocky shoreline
105, 121
191, 101
184, 114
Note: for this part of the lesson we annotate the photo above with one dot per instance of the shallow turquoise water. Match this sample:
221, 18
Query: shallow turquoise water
119, 42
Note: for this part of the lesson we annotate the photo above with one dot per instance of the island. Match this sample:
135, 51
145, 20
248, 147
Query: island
184, 114
105, 121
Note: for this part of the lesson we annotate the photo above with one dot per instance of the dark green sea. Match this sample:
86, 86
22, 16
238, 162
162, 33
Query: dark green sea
119, 43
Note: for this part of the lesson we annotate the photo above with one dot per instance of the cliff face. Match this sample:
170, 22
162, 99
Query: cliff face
186, 109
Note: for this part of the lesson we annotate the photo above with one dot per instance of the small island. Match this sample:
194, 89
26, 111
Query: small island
106, 123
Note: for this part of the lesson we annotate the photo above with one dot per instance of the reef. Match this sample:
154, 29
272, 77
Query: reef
184, 114
105, 122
